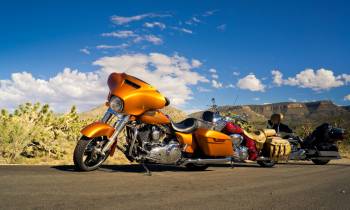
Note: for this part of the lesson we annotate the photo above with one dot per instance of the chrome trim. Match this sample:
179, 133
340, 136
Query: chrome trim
262, 158
109, 114
201, 161
236, 139
119, 125
134, 137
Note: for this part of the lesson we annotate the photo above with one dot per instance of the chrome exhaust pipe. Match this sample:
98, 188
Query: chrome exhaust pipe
200, 161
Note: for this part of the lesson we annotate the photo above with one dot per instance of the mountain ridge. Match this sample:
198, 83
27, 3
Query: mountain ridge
294, 112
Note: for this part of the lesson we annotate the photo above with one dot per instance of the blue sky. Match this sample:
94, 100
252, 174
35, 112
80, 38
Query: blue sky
243, 41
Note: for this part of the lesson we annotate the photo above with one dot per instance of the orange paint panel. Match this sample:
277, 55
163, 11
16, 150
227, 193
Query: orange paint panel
187, 139
214, 143
137, 95
97, 129
154, 117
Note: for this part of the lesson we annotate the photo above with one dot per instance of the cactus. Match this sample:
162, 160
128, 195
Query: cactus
35, 131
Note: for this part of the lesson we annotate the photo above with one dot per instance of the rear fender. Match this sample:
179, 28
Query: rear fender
97, 129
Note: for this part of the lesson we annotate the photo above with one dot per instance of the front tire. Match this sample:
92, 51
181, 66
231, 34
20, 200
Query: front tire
86, 157
266, 163
320, 162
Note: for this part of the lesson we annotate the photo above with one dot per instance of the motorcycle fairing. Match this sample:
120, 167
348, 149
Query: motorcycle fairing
97, 129
137, 95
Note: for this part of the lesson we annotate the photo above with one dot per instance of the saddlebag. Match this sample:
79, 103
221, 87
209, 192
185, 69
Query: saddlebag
214, 143
277, 149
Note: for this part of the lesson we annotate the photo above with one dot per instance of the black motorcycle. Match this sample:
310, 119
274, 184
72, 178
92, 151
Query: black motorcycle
320, 147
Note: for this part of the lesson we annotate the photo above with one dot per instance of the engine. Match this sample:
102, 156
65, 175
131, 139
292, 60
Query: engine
157, 145
241, 152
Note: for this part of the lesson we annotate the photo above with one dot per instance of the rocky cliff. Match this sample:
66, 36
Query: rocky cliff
294, 112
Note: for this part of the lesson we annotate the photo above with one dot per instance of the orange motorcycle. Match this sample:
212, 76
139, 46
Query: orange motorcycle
150, 137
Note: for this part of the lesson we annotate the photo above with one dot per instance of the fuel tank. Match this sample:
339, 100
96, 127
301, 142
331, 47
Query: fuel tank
154, 117
137, 95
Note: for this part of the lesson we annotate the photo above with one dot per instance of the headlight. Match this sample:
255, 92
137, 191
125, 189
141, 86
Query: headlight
116, 104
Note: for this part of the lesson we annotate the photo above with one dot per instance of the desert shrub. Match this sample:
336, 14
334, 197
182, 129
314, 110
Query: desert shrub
304, 129
33, 130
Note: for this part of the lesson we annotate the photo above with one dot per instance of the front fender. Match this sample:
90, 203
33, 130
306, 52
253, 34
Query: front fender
97, 129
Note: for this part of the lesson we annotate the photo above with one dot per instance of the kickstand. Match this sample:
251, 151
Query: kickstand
148, 172
231, 163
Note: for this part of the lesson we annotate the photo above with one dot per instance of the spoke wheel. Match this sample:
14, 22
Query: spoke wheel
87, 156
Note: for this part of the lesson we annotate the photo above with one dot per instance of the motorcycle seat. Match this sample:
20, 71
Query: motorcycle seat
269, 132
186, 126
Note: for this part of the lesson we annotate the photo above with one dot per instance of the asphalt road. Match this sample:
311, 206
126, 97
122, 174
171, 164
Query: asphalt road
287, 186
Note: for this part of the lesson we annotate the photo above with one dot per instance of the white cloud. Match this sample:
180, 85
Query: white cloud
212, 70
172, 75
210, 12
136, 37
215, 76
85, 51
277, 77
155, 24
256, 99
61, 91
322, 79
153, 39
121, 20
250, 82
193, 21
236, 73
192, 110
185, 30
346, 78
292, 99
149, 38
230, 86
196, 63
216, 84
221, 27
203, 89
347, 97
106, 47
120, 34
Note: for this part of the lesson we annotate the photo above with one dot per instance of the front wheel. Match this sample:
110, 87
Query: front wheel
266, 163
87, 155
320, 162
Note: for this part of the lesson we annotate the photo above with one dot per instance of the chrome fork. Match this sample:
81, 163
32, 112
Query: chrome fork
119, 125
